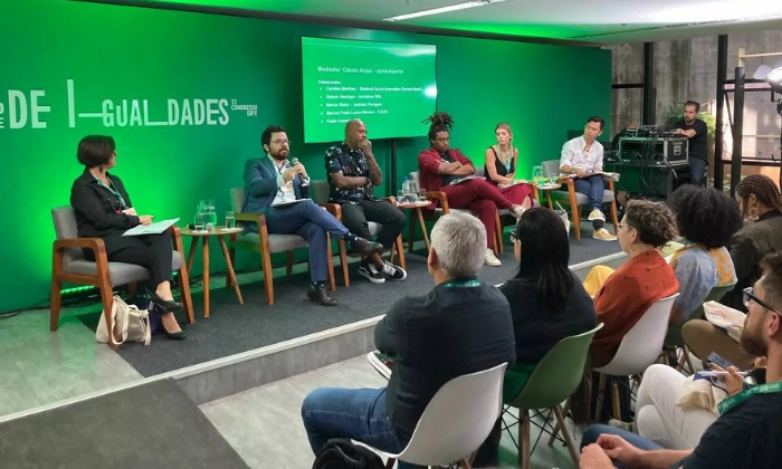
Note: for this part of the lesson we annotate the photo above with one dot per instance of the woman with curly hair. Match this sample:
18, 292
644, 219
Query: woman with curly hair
707, 219
760, 204
447, 169
623, 297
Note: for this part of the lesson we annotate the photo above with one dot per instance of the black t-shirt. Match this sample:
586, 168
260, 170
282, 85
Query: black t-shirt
452, 331
447, 179
537, 328
697, 146
748, 436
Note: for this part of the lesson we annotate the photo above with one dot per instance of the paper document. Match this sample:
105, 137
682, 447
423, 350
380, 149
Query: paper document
152, 228
289, 202
610, 176
465, 179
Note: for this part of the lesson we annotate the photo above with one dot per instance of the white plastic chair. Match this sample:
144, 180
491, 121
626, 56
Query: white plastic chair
456, 422
639, 349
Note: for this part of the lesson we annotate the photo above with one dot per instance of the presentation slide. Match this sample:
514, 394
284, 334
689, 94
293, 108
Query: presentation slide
390, 87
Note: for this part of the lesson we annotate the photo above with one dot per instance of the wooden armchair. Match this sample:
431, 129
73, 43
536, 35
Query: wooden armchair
267, 244
576, 199
442, 209
70, 265
319, 190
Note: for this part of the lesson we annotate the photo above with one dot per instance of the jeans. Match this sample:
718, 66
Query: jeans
593, 187
697, 170
357, 414
594, 431
311, 222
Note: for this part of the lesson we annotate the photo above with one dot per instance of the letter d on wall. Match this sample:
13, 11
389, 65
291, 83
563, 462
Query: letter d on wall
17, 109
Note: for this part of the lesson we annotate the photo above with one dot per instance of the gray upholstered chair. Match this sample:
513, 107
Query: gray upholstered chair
267, 244
70, 265
444, 208
320, 190
576, 199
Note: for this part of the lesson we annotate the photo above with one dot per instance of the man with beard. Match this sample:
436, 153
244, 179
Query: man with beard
353, 174
279, 189
749, 429
695, 130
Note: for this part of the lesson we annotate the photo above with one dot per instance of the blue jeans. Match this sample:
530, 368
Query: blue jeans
594, 431
311, 222
697, 170
358, 414
592, 187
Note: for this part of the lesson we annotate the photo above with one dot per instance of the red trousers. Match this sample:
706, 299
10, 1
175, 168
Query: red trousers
483, 199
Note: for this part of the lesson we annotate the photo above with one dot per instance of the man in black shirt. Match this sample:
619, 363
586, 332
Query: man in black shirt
462, 326
696, 132
749, 429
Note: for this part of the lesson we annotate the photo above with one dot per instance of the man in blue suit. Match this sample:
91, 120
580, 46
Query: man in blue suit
272, 186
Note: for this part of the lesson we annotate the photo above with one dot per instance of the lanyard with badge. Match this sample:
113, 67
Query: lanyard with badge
462, 283
731, 402
113, 191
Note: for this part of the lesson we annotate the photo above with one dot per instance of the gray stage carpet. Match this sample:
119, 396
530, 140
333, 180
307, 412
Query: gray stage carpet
150, 426
233, 329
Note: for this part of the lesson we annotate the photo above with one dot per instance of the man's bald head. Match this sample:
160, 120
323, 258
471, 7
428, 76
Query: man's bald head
355, 133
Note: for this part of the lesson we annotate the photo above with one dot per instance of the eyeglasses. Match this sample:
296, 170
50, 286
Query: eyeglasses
749, 298
281, 142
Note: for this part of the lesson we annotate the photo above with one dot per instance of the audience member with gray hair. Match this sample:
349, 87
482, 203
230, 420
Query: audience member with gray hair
462, 326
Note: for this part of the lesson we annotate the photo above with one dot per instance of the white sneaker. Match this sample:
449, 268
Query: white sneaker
596, 215
603, 235
490, 259
518, 212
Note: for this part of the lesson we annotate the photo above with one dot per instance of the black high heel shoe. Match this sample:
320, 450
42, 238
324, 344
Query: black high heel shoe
169, 306
172, 335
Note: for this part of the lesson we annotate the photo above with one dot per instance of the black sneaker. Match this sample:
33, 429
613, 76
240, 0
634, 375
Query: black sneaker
393, 272
371, 272
320, 294
364, 247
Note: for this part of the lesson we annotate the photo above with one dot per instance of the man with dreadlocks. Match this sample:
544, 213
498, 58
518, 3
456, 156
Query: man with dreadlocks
446, 169
761, 205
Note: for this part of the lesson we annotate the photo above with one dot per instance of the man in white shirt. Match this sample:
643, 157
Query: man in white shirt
582, 158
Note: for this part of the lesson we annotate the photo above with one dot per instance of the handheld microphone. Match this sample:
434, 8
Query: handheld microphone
294, 161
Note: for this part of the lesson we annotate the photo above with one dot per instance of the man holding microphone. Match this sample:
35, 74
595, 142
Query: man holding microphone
279, 189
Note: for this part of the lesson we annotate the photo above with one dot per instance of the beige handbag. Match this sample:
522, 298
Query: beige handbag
131, 322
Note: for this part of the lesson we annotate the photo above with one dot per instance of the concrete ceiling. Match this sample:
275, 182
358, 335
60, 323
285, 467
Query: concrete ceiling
600, 21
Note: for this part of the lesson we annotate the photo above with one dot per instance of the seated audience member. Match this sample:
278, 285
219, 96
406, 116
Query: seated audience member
103, 210
582, 157
706, 219
448, 170
500, 167
749, 429
622, 297
761, 207
353, 174
547, 303
462, 326
272, 185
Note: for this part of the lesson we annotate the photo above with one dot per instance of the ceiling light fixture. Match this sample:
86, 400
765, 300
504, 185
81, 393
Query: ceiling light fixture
448, 9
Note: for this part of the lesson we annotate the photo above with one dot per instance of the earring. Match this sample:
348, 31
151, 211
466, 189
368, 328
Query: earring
753, 214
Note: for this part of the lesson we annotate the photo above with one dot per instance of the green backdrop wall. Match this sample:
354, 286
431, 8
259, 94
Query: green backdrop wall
70, 69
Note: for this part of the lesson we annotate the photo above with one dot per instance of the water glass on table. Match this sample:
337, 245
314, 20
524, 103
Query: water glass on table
230, 220
422, 195
199, 223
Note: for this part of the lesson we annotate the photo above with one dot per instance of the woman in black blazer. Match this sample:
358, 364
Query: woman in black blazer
103, 210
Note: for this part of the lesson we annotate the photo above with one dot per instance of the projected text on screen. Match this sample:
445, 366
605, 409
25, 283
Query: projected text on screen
391, 87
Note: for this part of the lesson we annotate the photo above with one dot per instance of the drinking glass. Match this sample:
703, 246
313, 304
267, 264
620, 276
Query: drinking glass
400, 197
422, 195
230, 220
200, 221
